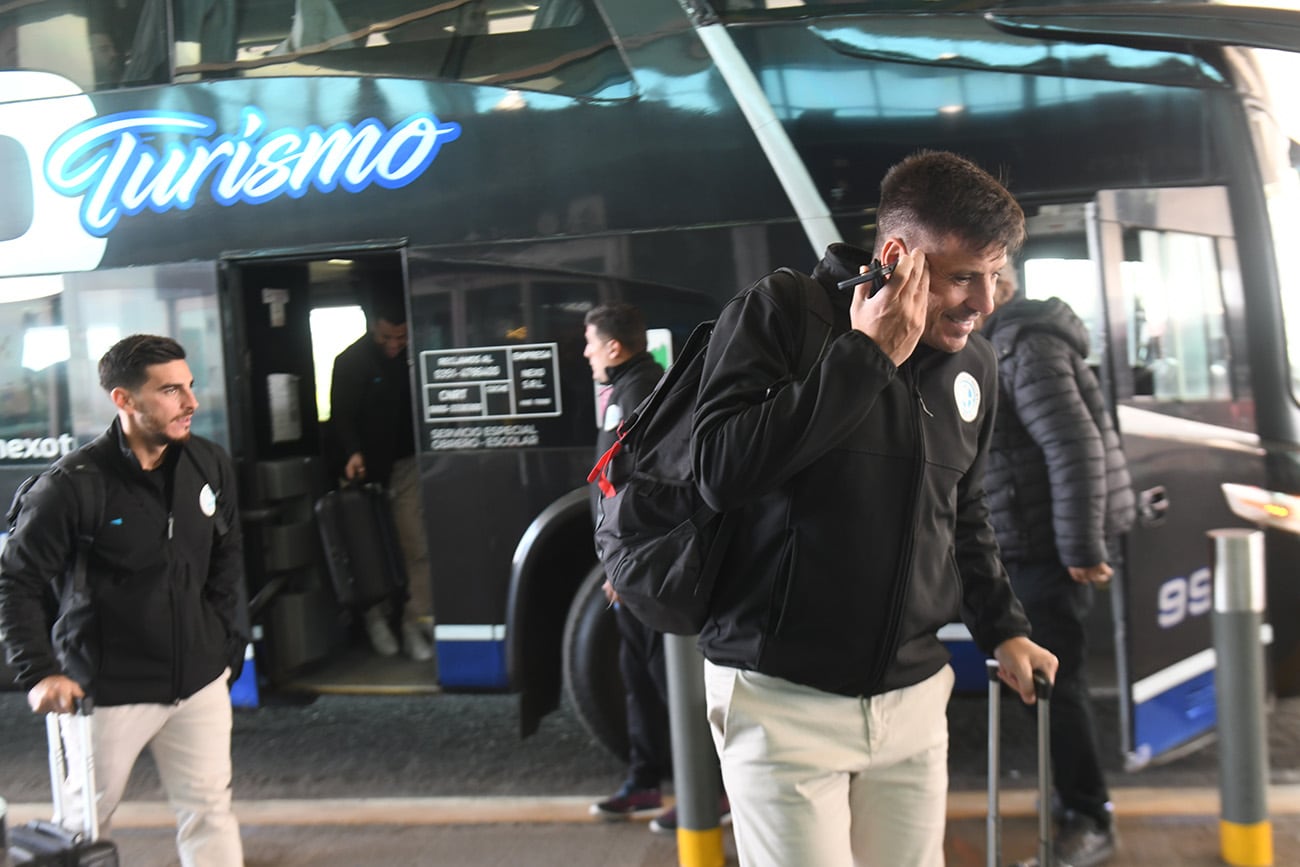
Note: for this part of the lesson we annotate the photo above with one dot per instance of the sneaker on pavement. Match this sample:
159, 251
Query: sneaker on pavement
627, 801
1080, 842
666, 822
1085, 842
414, 642
381, 634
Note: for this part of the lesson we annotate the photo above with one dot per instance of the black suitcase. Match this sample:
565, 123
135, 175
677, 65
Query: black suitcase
1043, 690
46, 844
362, 550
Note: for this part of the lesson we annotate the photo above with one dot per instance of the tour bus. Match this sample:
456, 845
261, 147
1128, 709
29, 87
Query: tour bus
243, 174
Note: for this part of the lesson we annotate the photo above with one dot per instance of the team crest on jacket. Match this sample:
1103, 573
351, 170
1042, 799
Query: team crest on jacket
966, 391
613, 416
208, 501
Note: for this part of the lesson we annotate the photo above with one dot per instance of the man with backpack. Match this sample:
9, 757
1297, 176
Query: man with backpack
625, 373
862, 528
136, 538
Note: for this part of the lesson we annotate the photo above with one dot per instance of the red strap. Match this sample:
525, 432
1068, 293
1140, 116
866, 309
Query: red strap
599, 473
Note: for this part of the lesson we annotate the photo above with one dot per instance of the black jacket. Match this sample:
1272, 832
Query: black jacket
630, 382
370, 407
865, 525
162, 617
1058, 483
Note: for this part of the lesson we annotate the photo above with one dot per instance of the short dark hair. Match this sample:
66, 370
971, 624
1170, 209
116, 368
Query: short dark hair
619, 321
388, 306
934, 194
126, 362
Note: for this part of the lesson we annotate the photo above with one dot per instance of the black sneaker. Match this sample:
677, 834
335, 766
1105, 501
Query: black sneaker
1085, 842
1080, 842
627, 801
666, 822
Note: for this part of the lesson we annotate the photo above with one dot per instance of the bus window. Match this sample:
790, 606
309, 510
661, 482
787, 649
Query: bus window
554, 45
1074, 281
1178, 345
97, 45
34, 419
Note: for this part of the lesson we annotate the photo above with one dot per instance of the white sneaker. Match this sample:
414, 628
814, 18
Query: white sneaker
381, 634
414, 642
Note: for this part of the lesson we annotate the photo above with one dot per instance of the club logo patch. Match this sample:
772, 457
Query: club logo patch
208, 501
613, 416
966, 392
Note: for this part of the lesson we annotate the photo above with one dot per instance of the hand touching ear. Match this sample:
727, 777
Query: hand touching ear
895, 316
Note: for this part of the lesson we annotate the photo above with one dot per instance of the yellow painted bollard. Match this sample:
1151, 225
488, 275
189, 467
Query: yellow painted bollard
695, 764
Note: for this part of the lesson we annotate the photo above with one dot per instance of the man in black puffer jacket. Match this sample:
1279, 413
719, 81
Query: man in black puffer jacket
1059, 490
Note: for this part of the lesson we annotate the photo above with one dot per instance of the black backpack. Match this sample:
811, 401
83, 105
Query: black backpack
88, 482
660, 543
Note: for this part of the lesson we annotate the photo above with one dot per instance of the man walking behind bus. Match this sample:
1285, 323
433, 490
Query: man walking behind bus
864, 529
155, 633
1059, 493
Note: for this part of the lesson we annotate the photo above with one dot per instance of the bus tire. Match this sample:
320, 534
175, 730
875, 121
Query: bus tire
592, 682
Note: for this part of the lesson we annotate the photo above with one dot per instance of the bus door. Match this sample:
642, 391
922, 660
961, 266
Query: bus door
1175, 364
291, 318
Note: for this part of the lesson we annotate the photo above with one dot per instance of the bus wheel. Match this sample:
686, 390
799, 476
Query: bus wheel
592, 682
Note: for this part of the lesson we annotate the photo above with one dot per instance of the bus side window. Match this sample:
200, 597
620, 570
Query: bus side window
1178, 347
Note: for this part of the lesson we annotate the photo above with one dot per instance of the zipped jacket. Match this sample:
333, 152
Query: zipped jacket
1058, 483
865, 525
370, 403
160, 618
630, 383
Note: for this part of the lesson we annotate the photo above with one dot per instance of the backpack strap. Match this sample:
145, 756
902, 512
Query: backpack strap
208, 474
83, 470
818, 320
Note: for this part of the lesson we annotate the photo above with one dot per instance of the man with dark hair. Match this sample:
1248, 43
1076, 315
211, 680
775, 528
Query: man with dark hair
151, 628
370, 403
1060, 495
625, 373
862, 529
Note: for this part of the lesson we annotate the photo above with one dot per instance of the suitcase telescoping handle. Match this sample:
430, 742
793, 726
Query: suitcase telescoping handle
83, 724
993, 827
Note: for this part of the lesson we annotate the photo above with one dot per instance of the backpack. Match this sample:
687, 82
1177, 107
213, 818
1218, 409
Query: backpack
660, 543
88, 483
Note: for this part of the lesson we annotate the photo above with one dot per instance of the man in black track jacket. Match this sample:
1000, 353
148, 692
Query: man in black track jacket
1059, 490
864, 530
625, 373
157, 630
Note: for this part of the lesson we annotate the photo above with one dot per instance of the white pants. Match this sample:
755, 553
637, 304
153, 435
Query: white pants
190, 743
822, 780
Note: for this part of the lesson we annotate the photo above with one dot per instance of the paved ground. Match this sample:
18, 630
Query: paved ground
383, 781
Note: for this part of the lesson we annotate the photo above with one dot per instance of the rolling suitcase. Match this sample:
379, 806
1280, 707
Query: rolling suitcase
1043, 690
46, 844
362, 550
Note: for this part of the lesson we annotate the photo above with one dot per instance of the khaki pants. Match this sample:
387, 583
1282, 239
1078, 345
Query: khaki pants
823, 780
190, 743
408, 515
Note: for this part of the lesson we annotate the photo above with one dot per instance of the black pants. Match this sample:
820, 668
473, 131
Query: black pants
645, 681
1056, 607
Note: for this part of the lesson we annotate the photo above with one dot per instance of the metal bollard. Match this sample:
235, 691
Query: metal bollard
695, 764
1245, 832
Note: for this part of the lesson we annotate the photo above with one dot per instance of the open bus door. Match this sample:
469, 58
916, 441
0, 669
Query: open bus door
1175, 365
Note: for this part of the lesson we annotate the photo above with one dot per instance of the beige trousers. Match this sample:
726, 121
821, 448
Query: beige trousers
823, 780
190, 743
408, 515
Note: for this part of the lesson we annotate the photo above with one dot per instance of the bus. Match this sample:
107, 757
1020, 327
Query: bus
241, 174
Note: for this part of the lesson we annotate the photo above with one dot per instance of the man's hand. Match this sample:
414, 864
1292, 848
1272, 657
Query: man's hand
1018, 658
895, 316
610, 593
1099, 574
55, 694
356, 467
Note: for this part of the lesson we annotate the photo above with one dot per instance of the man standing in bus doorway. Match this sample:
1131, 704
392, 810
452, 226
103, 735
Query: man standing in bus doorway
150, 621
1060, 496
625, 374
370, 403
862, 529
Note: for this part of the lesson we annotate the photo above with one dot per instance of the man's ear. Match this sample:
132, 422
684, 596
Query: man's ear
893, 250
614, 347
121, 397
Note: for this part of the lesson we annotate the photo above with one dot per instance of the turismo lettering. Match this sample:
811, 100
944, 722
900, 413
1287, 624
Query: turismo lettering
115, 165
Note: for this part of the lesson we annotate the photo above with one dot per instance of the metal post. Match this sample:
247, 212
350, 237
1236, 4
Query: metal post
695, 764
1245, 832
